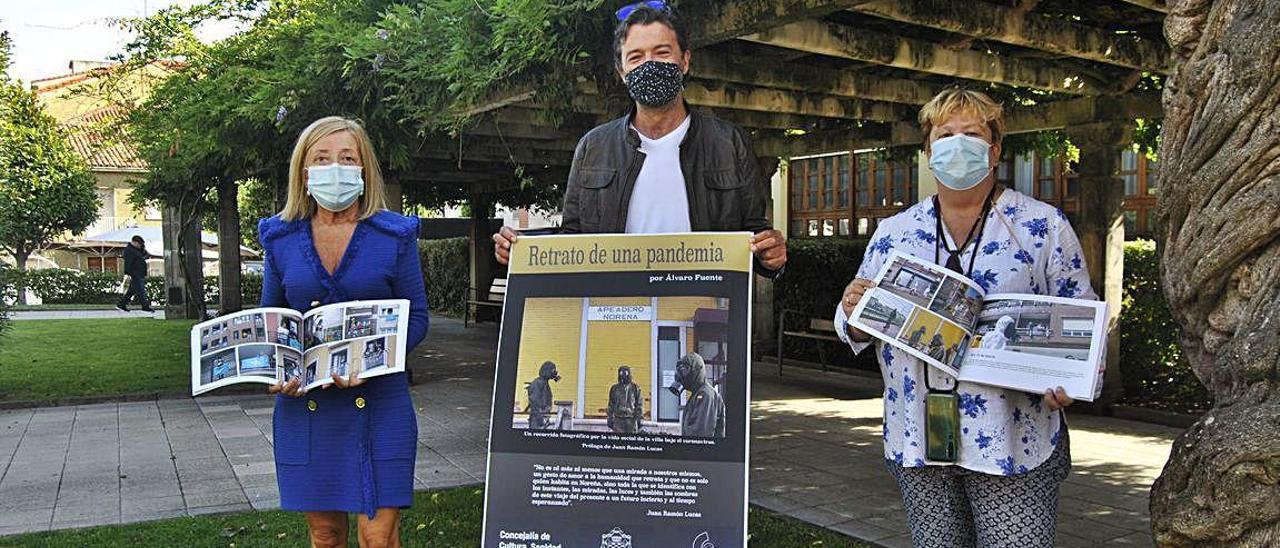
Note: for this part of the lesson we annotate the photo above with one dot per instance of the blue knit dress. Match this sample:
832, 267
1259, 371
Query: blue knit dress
332, 455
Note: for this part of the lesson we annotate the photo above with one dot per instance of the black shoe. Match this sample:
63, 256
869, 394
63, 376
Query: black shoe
122, 308
148, 309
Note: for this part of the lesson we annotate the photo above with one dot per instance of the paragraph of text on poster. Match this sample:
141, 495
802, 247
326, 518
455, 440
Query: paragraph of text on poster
566, 485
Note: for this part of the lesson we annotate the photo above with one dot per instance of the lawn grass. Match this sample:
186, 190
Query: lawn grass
445, 519
46, 360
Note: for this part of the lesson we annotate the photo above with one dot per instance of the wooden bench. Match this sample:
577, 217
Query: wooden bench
470, 306
819, 329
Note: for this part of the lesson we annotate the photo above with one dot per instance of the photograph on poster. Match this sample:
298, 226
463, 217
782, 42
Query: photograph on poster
652, 365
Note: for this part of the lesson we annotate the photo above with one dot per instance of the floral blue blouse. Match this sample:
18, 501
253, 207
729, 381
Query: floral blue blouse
1027, 246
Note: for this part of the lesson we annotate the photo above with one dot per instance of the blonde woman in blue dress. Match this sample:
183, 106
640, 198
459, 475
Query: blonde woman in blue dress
351, 447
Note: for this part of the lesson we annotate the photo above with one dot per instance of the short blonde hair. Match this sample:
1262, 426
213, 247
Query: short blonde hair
953, 100
299, 204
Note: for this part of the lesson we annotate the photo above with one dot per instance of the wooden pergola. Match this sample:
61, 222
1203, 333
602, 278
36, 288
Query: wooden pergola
819, 76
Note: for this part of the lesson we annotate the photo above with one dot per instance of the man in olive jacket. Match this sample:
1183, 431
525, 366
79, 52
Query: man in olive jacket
663, 167
135, 267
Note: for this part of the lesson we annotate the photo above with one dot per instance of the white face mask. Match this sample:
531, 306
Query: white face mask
335, 186
960, 162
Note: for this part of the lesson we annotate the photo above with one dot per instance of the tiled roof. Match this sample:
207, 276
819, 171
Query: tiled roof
95, 138
51, 83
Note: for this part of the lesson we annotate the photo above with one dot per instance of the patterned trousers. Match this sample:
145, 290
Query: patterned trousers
949, 507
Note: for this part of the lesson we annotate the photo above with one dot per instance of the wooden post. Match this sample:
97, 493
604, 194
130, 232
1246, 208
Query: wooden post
764, 325
394, 195
279, 188
1100, 226
229, 287
184, 297
481, 236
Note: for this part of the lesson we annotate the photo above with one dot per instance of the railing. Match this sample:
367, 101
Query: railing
107, 224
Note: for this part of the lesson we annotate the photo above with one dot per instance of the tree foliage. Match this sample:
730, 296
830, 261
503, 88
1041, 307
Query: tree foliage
46, 189
408, 70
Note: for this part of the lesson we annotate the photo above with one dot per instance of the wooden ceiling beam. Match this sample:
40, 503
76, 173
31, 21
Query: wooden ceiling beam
1045, 117
1153, 5
710, 65
721, 95
712, 22
1027, 29
860, 44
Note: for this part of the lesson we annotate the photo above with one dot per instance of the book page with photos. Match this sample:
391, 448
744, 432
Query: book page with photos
923, 309
248, 346
366, 338
1036, 342
270, 345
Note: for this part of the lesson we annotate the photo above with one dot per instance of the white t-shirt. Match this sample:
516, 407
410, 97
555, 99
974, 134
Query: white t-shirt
658, 201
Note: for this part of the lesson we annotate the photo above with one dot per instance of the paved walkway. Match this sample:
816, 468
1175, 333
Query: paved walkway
84, 314
816, 454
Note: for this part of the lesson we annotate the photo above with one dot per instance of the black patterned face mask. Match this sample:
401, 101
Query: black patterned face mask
655, 83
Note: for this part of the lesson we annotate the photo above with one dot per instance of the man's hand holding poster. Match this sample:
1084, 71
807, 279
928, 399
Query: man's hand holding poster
621, 398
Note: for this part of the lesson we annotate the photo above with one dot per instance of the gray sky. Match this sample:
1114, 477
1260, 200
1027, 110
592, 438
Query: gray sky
47, 34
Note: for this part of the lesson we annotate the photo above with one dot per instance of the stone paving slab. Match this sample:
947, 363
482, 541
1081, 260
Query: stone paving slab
816, 454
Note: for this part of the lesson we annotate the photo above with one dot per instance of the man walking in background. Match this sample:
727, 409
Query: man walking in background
135, 270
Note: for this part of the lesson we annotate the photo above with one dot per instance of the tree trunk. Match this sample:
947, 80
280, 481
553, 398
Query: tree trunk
1219, 214
20, 263
229, 286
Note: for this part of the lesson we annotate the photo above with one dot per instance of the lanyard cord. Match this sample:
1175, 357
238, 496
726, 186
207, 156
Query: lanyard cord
979, 225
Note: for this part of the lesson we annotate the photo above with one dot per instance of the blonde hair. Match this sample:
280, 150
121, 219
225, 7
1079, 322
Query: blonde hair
299, 204
953, 100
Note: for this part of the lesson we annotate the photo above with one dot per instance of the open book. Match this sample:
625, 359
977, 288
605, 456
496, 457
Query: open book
1019, 341
270, 345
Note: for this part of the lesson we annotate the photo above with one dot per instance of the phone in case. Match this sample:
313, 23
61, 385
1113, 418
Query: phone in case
942, 426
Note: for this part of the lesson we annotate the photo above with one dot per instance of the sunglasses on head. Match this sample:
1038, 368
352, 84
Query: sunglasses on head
625, 11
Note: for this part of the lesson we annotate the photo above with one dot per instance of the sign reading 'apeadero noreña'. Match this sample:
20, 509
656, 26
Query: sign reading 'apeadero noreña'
619, 313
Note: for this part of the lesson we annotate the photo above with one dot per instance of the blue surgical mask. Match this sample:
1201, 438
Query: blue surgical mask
335, 186
960, 162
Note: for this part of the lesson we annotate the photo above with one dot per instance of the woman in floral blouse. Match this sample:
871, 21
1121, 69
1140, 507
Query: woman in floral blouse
1002, 489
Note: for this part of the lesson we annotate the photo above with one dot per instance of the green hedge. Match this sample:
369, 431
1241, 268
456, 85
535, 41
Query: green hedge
8, 293
445, 268
1155, 372
818, 269
68, 286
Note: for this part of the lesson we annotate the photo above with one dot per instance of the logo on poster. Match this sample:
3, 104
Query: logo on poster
615, 539
703, 540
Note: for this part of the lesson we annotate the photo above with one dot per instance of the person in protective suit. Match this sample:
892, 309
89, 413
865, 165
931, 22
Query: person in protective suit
626, 407
540, 397
703, 415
